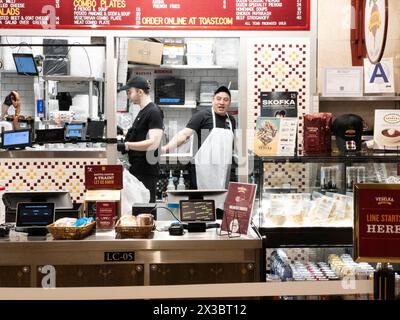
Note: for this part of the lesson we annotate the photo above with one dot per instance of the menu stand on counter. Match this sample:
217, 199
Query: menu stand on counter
233, 228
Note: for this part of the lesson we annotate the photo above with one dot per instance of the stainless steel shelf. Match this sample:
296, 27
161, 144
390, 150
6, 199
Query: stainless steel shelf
180, 67
70, 78
178, 106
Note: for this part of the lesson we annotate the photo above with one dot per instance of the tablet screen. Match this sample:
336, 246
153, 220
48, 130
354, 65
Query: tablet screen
34, 214
197, 210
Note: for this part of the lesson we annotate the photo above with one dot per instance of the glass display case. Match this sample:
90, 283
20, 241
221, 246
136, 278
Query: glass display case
304, 206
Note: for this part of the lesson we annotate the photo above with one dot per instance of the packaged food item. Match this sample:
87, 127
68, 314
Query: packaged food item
65, 222
277, 209
294, 208
317, 133
128, 221
145, 219
321, 210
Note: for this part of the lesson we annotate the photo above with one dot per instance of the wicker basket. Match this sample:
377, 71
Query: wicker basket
70, 233
124, 232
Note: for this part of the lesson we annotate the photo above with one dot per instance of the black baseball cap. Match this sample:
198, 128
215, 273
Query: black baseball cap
137, 82
348, 129
223, 89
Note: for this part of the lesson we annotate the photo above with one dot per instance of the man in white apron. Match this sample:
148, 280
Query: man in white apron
214, 129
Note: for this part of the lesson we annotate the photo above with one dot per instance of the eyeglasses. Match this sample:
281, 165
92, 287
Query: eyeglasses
227, 124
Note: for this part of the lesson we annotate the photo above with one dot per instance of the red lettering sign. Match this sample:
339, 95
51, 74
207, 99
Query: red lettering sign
238, 207
377, 222
157, 14
103, 177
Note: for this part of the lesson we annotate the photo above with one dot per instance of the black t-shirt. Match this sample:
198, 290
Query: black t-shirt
150, 117
202, 123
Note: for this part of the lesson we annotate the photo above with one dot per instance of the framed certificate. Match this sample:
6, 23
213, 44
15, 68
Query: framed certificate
343, 82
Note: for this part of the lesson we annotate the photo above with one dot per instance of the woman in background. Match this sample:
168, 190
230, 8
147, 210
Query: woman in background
12, 99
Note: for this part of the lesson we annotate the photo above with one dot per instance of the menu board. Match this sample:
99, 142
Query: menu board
238, 207
156, 14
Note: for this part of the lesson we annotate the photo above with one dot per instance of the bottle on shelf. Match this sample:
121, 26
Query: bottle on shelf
181, 184
171, 185
384, 282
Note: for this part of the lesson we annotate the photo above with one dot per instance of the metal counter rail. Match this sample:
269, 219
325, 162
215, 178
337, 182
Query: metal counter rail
300, 288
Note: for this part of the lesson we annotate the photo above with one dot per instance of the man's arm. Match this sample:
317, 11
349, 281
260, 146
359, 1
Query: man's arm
152, 143
181, 137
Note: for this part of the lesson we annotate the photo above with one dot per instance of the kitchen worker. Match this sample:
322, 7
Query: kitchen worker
214, 128
144, 137
12, 107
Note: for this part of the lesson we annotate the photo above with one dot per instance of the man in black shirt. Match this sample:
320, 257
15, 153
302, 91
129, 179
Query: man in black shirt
213, 128
144, 137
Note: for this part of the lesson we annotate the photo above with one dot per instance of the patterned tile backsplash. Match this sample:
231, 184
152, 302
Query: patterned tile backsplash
46, 175
278, 65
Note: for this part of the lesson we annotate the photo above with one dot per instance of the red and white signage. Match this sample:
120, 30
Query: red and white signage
377, 222
156, 14
238, 207
103, 177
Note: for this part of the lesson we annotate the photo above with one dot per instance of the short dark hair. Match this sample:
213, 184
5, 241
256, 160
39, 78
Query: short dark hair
10, 98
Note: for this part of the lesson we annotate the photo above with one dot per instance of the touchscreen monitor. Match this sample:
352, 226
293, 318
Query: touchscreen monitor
197, 210
35, 214
16, 139
74, 130
25, 64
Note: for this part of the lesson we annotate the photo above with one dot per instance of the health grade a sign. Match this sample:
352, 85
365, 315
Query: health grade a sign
377, 222
156, 14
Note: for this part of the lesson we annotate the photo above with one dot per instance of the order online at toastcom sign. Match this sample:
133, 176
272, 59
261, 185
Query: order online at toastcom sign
156, 14
377, 222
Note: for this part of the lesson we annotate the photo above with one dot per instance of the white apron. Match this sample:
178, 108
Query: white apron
213, 159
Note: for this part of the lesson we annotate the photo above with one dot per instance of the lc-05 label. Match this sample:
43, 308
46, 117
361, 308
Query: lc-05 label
119, 256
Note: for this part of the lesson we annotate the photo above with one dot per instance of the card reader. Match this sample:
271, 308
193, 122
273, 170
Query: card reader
176, 229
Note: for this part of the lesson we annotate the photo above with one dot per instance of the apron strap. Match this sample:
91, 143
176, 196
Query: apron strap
215, 122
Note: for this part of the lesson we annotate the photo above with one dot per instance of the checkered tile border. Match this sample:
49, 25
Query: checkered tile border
46, 175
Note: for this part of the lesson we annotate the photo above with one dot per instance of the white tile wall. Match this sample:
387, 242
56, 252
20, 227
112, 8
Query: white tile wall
122, 71
24, 85
178, 117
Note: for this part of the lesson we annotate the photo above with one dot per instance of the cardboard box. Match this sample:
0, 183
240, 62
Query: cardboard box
104, 206
146, 52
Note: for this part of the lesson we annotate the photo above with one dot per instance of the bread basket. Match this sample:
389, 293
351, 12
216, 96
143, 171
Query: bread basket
124, 232
70, 233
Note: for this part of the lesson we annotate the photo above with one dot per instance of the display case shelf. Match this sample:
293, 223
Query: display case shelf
362, 98
307, 237
389, 157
